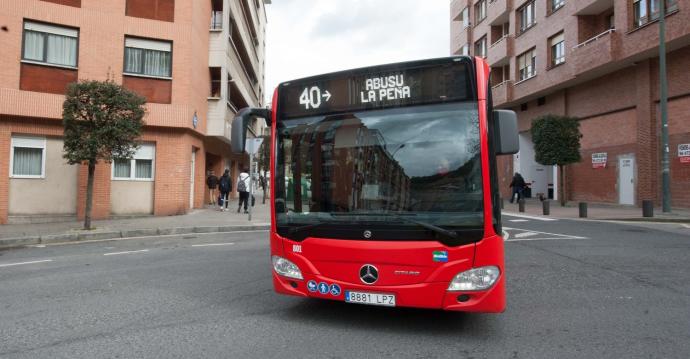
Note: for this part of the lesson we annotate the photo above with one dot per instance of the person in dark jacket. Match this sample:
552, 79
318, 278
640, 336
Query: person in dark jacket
225, 186
518, 185
212, 183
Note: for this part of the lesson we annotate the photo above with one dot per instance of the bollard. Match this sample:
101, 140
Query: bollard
521, 205
583, 209
647, 208
546, 207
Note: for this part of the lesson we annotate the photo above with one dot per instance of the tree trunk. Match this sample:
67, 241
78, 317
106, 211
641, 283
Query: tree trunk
561, 188
89, 195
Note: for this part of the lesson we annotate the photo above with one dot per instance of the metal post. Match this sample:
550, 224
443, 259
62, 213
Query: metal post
521, 205
545, 207
582, 206
665, 165
251, 188
647, 208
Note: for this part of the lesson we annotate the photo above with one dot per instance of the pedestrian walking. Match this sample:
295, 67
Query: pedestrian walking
225, 186
243, 189
212, 183
518, 185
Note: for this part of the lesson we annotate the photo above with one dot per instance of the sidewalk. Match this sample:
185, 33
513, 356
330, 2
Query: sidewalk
208, 220
598, 211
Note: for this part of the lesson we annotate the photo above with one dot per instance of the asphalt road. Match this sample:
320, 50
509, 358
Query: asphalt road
575, 290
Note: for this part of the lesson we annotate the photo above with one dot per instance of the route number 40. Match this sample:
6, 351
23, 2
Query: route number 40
310, 97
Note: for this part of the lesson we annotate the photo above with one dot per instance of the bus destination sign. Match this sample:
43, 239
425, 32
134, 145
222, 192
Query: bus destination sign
380, 87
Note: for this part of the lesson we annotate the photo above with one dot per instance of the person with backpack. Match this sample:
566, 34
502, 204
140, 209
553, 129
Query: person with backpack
212, 183
243, 189
225, 186
518, 185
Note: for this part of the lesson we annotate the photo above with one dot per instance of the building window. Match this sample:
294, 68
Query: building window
479, 11
465, 51
139, 168
556, 4
526, 16
527, 65
50, 44
465, 17
557, 46
27, 159
148, 57
645, 11
217, 15
215, 82
480, 47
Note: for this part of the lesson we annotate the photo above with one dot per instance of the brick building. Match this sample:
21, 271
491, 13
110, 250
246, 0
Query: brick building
196, 62
596, 60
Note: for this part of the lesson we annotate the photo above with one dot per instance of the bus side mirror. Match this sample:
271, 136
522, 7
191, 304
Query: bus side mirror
238, 135
506, 130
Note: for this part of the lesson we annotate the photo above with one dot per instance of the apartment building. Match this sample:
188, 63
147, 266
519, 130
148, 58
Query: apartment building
596, 60
195, 61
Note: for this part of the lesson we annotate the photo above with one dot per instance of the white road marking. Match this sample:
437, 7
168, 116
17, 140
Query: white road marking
511, 214
548, 235
526, 234
518, 220
125, 252
686, 225
31, 262
212, 244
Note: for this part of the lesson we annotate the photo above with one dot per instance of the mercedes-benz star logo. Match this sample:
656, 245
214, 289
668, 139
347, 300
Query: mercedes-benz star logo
368, 274
367, 234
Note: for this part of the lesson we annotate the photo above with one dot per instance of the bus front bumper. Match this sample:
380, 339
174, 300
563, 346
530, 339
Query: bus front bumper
433, 295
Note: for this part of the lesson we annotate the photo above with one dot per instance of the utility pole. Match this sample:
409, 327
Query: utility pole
665, 165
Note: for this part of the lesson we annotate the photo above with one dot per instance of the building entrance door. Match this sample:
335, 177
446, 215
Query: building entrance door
626, 180
191, 179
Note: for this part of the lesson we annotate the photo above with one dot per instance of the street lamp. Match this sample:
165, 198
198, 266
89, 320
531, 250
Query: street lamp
665, 165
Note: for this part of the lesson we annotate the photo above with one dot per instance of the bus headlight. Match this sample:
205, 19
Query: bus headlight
286, 268
475, 279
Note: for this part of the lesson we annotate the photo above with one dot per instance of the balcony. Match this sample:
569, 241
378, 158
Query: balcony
502, 93
595, 52
500, 51
463, 37
456, 7
591, 7
498, 11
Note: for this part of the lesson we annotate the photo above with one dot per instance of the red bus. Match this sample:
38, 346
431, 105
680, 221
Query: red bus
384, 188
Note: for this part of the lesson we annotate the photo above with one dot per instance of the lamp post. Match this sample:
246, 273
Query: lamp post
665, 165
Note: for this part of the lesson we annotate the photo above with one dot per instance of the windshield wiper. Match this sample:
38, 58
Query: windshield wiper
303, 228
436, 229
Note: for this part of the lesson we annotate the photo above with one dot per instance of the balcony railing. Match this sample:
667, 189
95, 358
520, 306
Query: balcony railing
595, 38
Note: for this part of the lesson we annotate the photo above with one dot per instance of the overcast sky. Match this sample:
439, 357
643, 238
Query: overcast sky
311, 37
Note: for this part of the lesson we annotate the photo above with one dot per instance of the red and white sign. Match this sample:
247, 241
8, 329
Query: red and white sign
599, 159
684, 152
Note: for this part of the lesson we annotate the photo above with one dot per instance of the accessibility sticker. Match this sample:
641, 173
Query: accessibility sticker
335, 289
311, 285
440, 256
323, 288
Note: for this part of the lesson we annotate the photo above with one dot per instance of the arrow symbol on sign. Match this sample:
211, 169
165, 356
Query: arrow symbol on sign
326, 95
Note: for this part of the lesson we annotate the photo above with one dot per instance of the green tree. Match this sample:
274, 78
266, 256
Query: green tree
556, 142
102, 121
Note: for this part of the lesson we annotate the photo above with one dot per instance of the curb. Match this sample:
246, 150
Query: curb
130, 233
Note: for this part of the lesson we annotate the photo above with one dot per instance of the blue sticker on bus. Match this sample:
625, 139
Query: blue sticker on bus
335, 289
440, 256
311, 285
323, 288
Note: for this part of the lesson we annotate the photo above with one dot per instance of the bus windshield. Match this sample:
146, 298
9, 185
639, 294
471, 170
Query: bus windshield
378, 167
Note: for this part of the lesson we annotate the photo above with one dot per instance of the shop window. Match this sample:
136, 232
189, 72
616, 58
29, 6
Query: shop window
27, 157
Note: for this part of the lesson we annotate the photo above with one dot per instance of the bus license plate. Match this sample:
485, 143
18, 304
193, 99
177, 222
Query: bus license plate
370, 298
